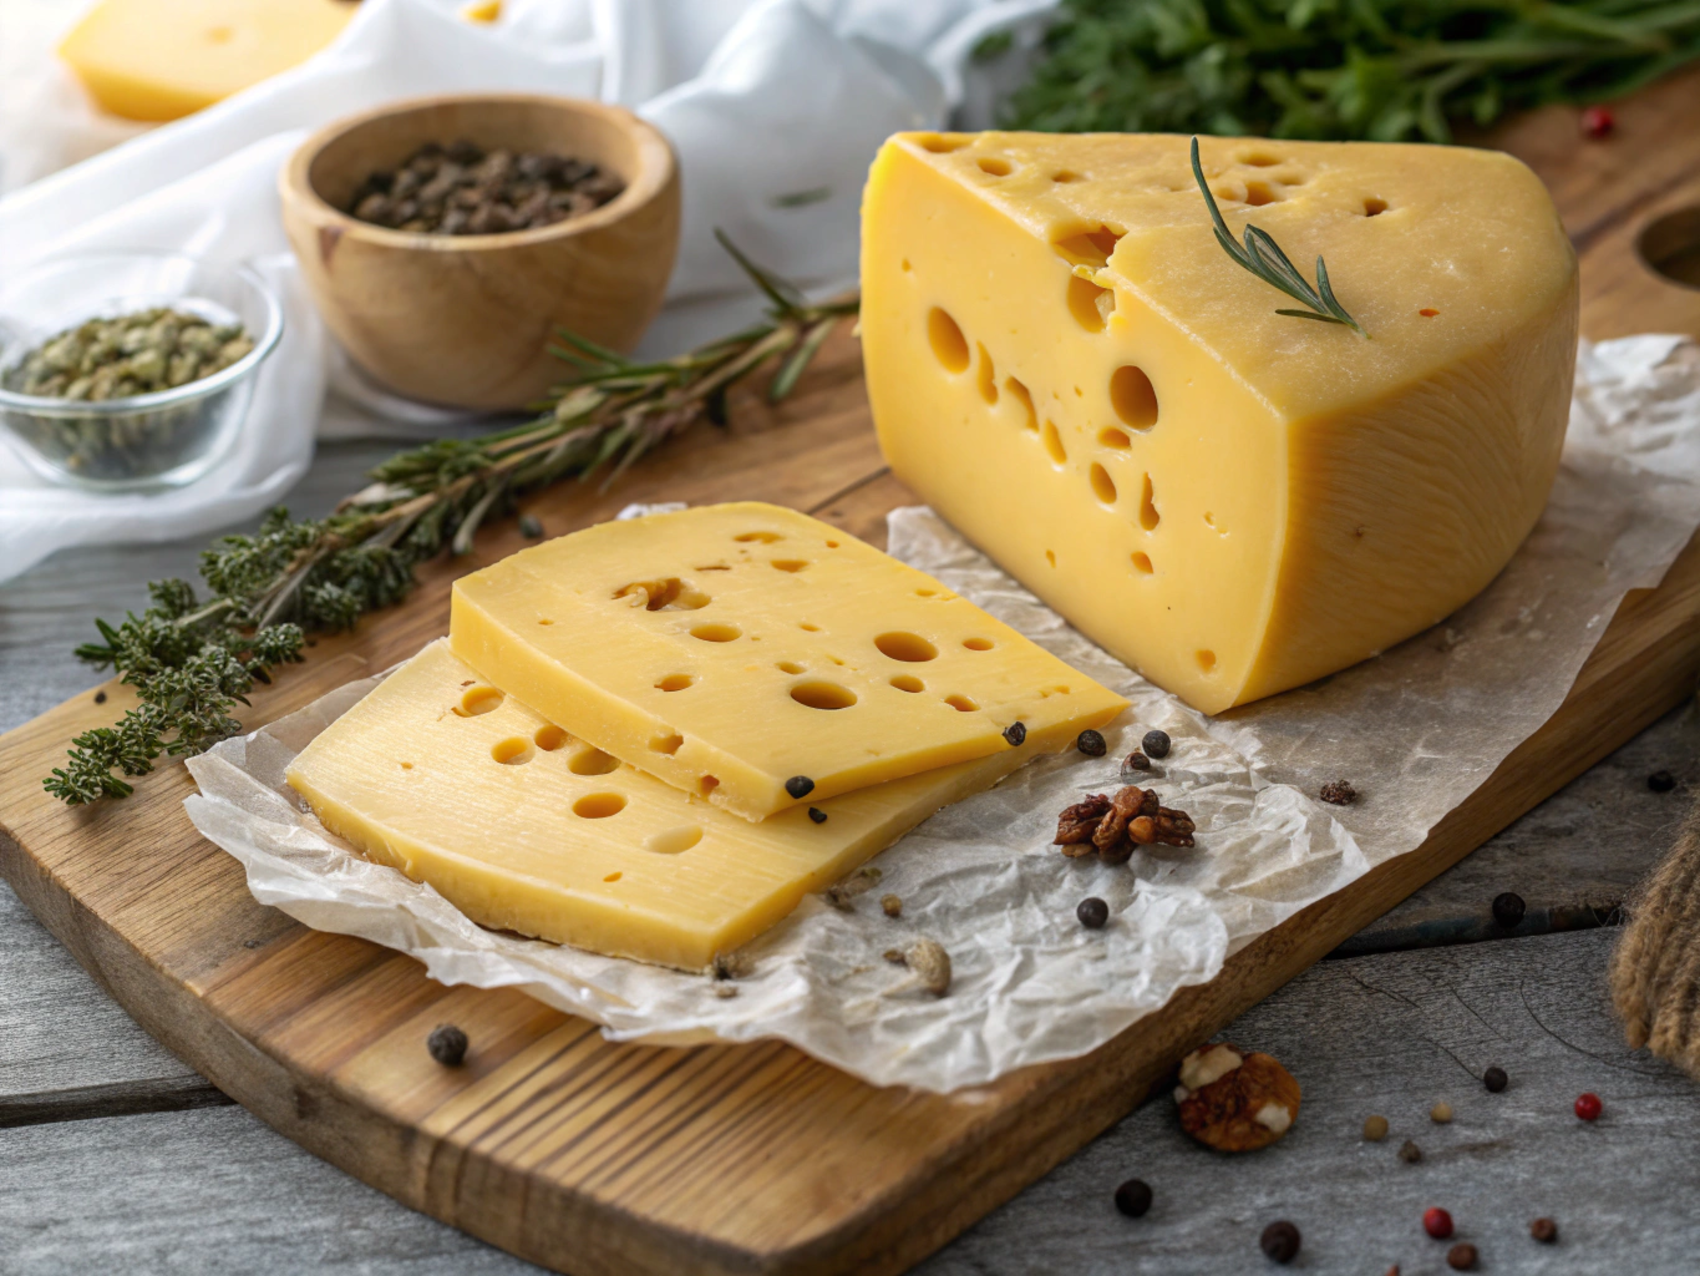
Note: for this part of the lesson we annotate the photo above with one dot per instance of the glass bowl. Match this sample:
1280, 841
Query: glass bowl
147, 441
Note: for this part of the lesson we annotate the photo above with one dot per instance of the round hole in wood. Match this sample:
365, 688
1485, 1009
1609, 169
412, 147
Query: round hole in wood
599, 806
816, 694
901, 645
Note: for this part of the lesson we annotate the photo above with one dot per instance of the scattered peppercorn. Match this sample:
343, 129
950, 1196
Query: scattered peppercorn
1597, 122
1133, 1198
1544, 1230
799, 786
447, 1045
1508, 908
1156, 745
1093, 912
1339, 793
1440, 1113
817, 815
1661, 781
1495, 1080
1410, 1153
1588, 1106
1016, 734
1280, 1242
1375, 1128
1462, 1257
1437, 1222
1091, 743
1136, 761
530, 527
100, 697
891, 905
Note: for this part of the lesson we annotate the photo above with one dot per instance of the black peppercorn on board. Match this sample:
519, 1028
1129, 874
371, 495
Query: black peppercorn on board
597, 1158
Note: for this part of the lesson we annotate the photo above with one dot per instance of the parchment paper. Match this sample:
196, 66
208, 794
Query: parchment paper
1416, 730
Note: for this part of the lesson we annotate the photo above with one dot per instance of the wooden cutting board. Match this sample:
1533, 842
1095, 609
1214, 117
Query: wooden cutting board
596, 1158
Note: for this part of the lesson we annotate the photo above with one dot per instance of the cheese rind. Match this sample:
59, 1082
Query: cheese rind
1232, 501
524, 828
729, 648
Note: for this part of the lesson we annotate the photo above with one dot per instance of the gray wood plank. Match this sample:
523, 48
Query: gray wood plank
1392, 1034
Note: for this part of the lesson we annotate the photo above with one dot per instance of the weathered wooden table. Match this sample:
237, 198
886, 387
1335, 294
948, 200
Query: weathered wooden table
114, 1156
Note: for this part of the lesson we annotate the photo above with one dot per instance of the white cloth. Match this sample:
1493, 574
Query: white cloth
761, 98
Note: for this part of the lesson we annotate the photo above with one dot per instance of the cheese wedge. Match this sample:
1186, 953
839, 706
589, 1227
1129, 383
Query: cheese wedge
757, 657
163, 59
1065, 363
524, 828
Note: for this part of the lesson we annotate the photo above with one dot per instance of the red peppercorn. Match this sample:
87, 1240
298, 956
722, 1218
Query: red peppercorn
1597, 122
1437, 1222
1588, 1107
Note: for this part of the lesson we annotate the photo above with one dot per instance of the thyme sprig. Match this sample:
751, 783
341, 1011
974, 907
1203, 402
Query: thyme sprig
193, 661
1263, 257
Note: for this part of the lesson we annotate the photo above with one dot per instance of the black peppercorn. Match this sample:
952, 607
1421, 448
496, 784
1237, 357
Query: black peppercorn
1495, 1080
1280, 1241
100, 697
1133, 1198
1544, 1230
1155, 744
530, 527
1093, 912
1136, 761
1661, 781
447, 1045
817, 815
1091, 743
1339, 793
1462, 1257
799, 786
1508, 908
1016, 734
1410, 1153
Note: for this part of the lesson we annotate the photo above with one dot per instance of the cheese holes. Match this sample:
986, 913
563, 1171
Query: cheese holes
513, 752
950, 347
942, 145
1148, 515
1142, 563
668, 744
613, 877
1206, 661
1133, 398
1114, 439
545, 622
1024, 399
790, 564
994, 167
480, 700
1427, 313
1260, 159
550, 738
1064, 175
763, 538
1051, 557
789, 666
1290, 179
926, 593
988, 376
808, 628
1090, 305
1374, 207
708, 784
816, 694
1257, 194
673, 841
589, 761
675, 682
667, 594
908, 682
1054, 444
908, 647
978, 644
407, 766
1103, 486
599, 806
716, 632
961, 703
1089, 247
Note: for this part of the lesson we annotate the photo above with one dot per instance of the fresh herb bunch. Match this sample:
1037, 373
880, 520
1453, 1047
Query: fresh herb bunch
193, 662
1381, 70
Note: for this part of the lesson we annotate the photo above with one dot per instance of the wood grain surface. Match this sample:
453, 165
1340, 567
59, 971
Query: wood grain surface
599, 1158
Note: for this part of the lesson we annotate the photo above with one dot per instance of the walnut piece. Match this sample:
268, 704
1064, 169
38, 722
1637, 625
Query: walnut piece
1233, 1101
1115, 826
1077, 823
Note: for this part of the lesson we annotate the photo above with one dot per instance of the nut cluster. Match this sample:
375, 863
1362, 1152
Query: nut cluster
1113, 826
1233, 1101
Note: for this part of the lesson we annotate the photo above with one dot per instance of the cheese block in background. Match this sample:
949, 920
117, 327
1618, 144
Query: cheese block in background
164, 59
524, 828
1064, 362
729, 649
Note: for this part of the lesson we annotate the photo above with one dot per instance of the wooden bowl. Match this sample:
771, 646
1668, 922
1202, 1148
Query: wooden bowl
465, 321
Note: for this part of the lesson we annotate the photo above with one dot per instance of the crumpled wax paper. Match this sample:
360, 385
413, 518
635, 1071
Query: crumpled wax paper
1416, 730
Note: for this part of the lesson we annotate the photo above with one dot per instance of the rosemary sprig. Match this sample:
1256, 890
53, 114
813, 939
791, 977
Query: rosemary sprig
192, 662
1263, 257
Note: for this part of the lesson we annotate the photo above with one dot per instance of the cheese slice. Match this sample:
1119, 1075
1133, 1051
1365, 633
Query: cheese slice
163, 59
524, 828
732, 650
1065, 363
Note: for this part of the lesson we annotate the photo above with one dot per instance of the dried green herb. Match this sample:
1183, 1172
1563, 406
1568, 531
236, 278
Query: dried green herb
193, 661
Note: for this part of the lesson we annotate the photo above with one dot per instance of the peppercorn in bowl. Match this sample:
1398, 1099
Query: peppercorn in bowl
130, 371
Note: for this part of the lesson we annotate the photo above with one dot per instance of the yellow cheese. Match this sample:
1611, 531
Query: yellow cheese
730, 648
164, 59
1064, 362
524, 828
